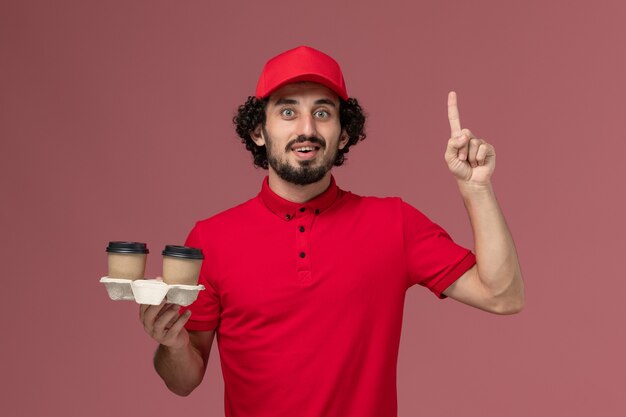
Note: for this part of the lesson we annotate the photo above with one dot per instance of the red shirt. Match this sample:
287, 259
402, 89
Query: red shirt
307, 299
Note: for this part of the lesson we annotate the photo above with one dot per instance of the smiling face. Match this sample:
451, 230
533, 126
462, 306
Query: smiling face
302, 132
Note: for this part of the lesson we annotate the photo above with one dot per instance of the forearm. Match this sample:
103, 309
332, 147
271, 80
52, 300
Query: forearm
496, 257
181, 369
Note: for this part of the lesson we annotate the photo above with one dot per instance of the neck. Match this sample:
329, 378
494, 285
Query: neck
297, 193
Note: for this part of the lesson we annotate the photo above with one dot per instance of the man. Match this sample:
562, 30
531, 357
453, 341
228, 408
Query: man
305, 283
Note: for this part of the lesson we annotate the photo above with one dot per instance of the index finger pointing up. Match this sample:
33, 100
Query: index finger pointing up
453, 115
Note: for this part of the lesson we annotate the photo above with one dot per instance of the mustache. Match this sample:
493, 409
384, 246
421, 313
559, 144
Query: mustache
300, 139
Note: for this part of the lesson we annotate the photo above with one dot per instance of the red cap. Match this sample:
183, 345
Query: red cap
301, 64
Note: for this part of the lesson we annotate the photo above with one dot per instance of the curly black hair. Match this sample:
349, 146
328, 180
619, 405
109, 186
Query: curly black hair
251, 114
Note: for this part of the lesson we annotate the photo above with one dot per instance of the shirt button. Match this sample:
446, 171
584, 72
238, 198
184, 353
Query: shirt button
302, 254
302, 228
302, 209
317, 211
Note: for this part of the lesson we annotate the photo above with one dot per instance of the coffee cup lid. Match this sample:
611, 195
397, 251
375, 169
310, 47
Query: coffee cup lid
186, 252
127, 247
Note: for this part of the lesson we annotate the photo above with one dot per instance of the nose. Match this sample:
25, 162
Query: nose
306, 126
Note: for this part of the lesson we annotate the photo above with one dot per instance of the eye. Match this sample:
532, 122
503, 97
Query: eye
287, 112
321, 114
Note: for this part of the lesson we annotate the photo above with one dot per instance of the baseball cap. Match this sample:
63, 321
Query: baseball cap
301, 64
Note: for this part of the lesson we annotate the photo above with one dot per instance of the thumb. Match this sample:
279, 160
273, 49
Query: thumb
457, 147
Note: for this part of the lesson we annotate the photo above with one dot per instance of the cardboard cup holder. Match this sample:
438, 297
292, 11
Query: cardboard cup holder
150, 291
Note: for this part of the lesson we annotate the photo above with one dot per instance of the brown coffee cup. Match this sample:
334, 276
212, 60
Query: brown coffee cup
127, 260
181, 265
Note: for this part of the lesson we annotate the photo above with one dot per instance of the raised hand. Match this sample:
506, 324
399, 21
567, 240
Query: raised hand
470, 159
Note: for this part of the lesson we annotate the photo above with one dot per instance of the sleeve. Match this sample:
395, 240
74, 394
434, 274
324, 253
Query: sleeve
433, 259
205, 311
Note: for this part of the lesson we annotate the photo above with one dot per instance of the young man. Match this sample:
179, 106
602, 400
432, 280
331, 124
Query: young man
305, 283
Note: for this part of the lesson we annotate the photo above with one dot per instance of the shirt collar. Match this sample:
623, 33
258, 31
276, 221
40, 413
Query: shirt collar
288, 210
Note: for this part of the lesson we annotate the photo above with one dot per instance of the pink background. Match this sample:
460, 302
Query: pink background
115, 125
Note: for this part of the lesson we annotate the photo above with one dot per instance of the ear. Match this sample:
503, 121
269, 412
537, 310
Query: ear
257, 136
343, 140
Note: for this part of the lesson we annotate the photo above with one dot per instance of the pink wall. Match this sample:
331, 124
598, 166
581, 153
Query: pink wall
115, 124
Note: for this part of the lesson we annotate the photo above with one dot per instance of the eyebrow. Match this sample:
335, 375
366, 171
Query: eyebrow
325, 101
292, 101
286, 101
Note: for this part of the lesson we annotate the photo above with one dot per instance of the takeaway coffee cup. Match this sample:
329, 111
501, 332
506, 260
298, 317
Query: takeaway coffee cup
181, 265
127, 260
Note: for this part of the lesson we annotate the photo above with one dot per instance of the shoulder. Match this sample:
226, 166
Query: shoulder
374, 203
225, 219
391, 208
371, 209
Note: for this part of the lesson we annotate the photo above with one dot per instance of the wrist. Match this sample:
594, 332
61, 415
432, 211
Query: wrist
173, 350
469, 189
475, 195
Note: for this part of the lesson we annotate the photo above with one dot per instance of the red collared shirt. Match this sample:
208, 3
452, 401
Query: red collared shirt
307, 299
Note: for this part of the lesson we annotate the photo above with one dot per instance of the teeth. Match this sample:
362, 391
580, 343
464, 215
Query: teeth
306, 148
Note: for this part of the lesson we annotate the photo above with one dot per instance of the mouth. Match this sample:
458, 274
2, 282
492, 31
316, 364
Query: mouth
305, 150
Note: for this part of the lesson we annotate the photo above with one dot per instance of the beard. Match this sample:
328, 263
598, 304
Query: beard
305, 173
